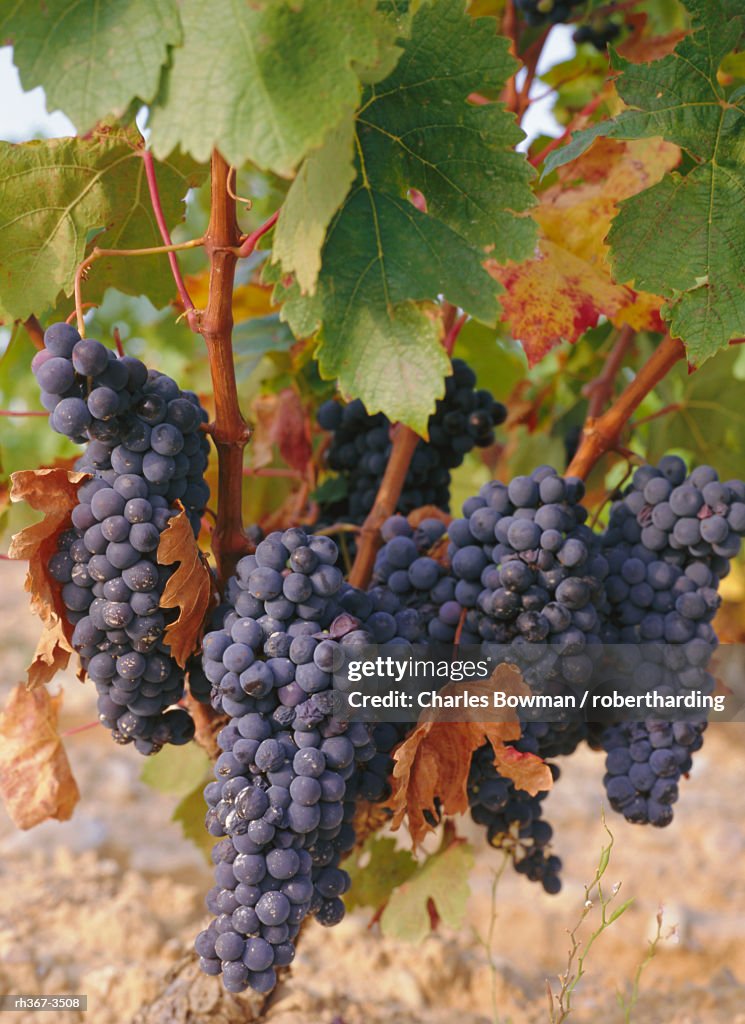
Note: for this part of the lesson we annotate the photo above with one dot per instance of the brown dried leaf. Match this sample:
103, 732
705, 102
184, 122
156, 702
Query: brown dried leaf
428, 512
434, 761
55, 493
527, 771
189, 588
36, 782
439, 550
51, 656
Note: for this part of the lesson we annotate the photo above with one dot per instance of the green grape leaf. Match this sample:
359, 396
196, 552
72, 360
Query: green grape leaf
91, 57
376, 870
684, 238
177, 770
441, 880
705, 418
59, 194
301, 312
333, 489
272, 80
314, 197
386, 260
189, 814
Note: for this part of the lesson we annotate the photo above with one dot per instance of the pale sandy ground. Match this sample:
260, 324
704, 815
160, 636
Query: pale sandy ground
108, 903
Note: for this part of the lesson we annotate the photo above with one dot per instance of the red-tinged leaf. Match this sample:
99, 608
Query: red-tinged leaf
281, 420
643, 47
55, 493
293, 431
36, 781
434, 760
189, 588
567, 285
527, 771
264, 412
554, 297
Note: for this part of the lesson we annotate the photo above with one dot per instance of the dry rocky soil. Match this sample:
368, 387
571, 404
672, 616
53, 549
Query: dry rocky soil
108, 904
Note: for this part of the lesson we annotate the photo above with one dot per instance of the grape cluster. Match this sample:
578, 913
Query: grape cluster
406, 573
512, 818
290, 771
597, 35
530, 574
669, 542
361, 445
144, 450
545, 12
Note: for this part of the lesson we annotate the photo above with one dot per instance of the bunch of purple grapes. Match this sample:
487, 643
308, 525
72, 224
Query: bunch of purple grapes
290, 770
361, 444
406, 574
546, 12
144, 450
513, 819
669, 542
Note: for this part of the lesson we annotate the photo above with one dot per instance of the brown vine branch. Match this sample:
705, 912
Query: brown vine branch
98, 254
601, 435
404, 443
329, 531
35, 331
530, 60
509, 29
152, 184
229, 430
664, 411
600, 390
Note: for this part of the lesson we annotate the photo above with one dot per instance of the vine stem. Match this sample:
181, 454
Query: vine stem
600, 390
98, 254
454, 330
509, 29
250, 242
404, 443
280, 471
229, 430
13, 412
530, 59
601, 435
192, 316
35, 331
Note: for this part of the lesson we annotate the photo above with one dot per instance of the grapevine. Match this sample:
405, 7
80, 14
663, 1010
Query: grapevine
332, 366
